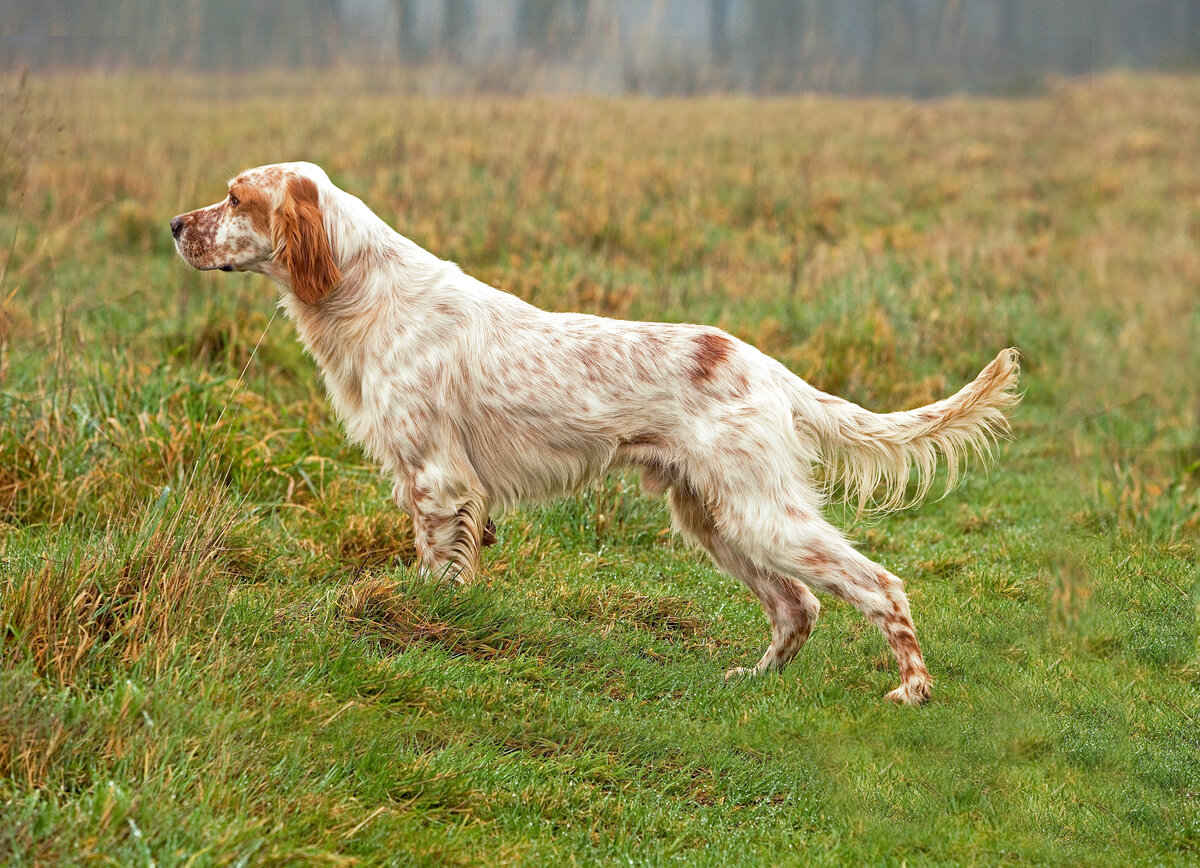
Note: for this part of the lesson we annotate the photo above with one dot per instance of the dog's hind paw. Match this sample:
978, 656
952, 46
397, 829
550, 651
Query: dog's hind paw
740, 672
910, 693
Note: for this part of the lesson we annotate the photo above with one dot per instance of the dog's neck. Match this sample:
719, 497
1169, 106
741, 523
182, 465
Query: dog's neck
385, 284
380, 269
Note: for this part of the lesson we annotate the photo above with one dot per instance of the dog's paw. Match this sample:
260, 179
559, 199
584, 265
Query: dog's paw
740, 672
910, 693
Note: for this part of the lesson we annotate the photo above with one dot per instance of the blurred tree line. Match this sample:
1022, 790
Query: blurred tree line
201, 34
920, 47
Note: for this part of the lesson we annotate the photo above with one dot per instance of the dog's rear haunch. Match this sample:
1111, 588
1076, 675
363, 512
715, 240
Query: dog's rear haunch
472, 399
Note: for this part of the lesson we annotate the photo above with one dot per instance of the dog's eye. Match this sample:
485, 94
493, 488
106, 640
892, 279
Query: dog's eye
234, 200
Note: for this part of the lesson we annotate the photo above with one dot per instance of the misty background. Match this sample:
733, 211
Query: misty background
654, 47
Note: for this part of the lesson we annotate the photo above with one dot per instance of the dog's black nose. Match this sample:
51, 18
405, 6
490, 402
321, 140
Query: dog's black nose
176, 226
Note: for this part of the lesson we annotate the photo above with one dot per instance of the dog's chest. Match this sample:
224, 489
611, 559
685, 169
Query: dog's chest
385, 398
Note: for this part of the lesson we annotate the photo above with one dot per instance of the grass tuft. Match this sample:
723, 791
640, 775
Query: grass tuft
400, 615
128, 596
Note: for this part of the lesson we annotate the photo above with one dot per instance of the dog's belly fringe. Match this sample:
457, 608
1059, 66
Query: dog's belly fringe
512, 473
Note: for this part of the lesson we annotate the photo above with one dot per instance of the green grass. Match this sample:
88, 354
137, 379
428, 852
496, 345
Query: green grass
214, 648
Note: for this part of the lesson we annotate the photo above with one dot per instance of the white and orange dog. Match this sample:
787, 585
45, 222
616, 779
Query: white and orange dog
472, 399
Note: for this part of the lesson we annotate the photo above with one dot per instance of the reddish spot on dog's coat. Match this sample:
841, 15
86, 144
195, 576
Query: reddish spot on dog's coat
816, 561
709, 352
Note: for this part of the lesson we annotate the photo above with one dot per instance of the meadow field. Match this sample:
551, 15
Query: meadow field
215, 650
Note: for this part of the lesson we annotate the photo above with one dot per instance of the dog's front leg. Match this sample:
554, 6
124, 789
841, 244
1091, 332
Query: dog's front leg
450, 522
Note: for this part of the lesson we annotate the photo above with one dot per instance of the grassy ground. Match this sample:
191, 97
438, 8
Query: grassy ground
213, 649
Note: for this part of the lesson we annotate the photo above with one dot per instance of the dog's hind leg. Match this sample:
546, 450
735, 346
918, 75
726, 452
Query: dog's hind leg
791, 608
878, 594
804, 545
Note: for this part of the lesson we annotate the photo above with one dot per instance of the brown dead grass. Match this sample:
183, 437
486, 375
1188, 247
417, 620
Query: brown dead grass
385, 610
379, 540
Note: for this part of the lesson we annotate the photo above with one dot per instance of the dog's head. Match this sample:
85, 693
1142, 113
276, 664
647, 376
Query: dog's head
270, 222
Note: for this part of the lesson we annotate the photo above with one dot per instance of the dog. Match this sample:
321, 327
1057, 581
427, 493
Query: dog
471, 399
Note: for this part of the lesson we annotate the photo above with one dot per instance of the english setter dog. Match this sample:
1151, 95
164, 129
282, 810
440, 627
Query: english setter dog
472, 399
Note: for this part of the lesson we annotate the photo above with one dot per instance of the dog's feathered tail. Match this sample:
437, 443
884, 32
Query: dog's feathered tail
870, 457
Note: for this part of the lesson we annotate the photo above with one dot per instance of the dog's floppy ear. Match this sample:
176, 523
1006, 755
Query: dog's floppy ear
301, 243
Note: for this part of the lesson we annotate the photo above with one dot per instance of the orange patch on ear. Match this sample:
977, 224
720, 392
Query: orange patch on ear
301, 243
